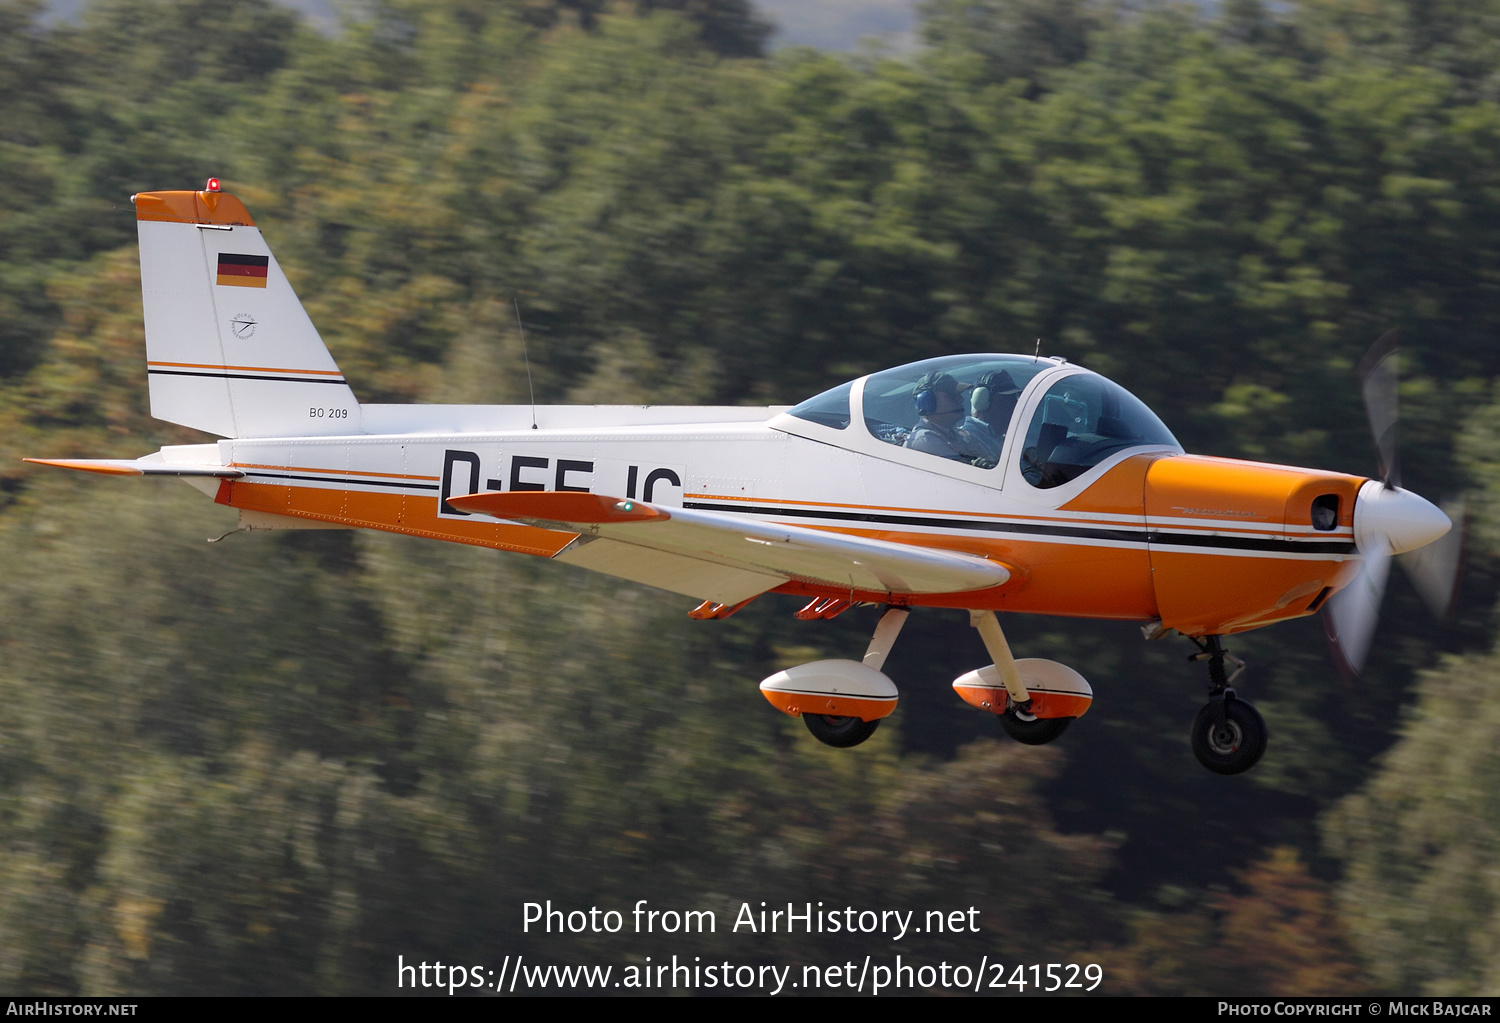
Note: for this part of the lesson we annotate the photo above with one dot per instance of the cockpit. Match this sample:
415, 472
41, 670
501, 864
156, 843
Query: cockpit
964, 408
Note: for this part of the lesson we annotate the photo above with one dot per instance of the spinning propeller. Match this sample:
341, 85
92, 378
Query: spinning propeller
1391, 522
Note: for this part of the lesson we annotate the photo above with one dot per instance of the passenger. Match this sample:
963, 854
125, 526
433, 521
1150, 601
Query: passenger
940, 410
992, 400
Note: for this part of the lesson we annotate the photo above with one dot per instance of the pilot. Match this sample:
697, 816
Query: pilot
940, 410
992, 400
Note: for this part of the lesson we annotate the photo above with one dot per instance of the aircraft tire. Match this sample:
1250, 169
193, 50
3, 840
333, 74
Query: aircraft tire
1033, 731
839, 732
1235, 748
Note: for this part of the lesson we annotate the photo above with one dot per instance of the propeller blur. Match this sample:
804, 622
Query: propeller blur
1391, 522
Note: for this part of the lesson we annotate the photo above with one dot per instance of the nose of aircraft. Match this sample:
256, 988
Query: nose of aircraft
1395, 520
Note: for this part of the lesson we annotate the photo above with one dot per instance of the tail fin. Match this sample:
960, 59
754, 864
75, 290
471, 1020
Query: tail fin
229, 349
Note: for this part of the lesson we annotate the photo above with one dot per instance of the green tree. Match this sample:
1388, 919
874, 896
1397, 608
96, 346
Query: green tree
1015, 38
1279, 933
1419, 839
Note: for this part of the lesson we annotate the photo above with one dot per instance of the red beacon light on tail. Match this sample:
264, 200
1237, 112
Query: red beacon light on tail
212, 186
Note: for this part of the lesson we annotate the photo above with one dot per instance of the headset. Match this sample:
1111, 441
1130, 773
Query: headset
982, 394
926, 391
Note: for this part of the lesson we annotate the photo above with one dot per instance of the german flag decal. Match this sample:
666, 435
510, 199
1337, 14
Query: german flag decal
242, 271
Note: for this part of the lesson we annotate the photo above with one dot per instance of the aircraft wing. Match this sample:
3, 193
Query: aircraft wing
729, 558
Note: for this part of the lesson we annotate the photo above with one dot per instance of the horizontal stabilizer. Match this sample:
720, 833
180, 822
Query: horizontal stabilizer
137, 467
760, 553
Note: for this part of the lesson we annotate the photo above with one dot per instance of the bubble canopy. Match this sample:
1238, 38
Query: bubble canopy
963, 407
1082, 420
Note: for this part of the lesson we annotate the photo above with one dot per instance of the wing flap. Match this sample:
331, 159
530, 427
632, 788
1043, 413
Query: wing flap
676, 573
775, 551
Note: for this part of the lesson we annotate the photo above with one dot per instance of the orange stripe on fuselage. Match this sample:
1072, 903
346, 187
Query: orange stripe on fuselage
829, 504
341, 472
247, 369
1054, 579
1089, 517
396, 513
899, 509
1225, 592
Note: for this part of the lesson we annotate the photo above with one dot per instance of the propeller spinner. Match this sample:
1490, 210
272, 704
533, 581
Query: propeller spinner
1391, 522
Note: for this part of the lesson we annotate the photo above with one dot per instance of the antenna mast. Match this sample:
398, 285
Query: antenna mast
529, 385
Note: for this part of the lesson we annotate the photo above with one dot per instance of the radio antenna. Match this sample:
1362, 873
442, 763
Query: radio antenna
529, 385
1038, 353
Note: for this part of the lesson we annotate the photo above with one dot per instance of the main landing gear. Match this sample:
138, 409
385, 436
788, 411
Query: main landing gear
1025, 727
1035, 699
842, 702
1229, 736
839, 731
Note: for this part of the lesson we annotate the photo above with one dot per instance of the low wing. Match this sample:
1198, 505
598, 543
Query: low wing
148, 466
727, 558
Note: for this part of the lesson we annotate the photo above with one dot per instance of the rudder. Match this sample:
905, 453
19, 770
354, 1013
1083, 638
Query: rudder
229, 348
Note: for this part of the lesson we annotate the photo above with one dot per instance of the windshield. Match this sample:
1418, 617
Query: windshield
958, 407
831, 408
1081, 421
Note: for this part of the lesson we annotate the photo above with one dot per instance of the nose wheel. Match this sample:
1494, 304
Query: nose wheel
1229, 735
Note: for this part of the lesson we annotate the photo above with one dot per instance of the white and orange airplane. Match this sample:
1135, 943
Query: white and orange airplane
991, 483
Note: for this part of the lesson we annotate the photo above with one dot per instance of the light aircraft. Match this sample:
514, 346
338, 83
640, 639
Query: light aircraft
990, 483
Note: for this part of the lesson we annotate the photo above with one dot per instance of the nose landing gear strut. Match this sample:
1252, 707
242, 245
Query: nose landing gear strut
1229, 736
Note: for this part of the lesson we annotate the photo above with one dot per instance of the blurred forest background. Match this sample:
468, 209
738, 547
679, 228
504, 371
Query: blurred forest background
274, 764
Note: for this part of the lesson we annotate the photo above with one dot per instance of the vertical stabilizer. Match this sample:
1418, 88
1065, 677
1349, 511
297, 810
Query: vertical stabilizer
229, 348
